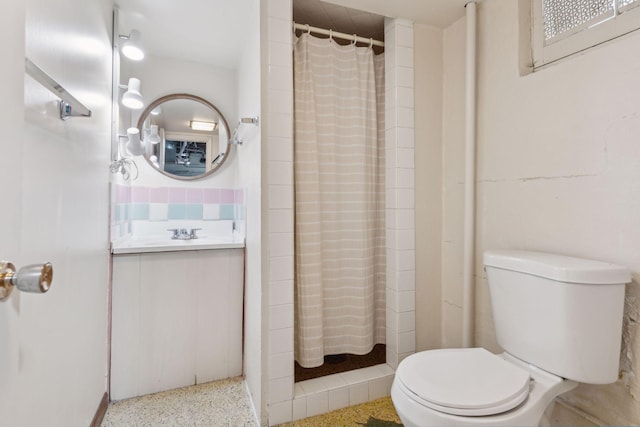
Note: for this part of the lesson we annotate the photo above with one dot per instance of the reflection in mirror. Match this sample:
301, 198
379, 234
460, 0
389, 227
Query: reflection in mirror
185, 136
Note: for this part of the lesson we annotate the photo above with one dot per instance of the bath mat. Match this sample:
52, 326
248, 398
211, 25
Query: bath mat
378, 413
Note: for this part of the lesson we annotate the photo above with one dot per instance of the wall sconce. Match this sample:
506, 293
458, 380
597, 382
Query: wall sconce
132, 48
133, 145
205, 126
132, 97
153, 137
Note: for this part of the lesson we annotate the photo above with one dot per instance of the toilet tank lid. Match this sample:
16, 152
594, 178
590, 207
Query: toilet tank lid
558, 267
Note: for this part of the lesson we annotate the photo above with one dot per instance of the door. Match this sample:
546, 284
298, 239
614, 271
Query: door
55, 186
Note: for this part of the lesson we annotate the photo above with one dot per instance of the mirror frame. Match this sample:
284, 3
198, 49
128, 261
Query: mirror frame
170, 97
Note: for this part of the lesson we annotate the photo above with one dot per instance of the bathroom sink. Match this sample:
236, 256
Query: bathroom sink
144, 244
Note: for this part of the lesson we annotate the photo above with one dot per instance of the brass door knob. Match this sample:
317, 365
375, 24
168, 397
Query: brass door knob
34, 278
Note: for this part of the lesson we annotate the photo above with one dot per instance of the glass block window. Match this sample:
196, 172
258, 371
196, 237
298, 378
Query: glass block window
563, 27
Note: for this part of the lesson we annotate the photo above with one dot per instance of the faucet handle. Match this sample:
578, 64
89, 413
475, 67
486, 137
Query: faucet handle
193, 234
175, 233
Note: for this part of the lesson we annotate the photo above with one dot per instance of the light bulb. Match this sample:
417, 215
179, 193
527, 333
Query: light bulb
132, 97
133, 146
131, 48
154, 138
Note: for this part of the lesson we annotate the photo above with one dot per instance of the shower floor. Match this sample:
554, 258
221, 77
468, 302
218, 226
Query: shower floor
337, 363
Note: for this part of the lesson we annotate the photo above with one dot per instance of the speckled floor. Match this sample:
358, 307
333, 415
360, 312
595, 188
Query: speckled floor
378, 413
218, 404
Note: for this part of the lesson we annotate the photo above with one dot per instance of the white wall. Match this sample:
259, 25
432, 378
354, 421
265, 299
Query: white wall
161, 76
428, 62
558, 171
453, 182
53, 349
249, 173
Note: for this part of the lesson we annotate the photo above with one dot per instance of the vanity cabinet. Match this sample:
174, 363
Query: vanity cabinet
176, 319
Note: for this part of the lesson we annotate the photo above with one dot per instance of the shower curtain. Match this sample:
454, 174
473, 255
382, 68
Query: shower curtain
339, 199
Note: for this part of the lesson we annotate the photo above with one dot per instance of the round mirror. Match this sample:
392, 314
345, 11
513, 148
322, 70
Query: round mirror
185, 136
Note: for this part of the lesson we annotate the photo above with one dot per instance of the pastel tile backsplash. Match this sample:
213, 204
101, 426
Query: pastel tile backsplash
174, 203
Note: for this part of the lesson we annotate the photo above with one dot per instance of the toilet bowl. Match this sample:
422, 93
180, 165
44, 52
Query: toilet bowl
472, 387
539, 301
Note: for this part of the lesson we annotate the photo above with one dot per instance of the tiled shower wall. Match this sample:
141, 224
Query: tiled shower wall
285, 402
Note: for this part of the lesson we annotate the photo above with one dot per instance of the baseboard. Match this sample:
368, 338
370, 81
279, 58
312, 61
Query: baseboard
102, 409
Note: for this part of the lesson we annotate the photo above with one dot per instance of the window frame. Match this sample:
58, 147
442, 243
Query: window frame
626, 20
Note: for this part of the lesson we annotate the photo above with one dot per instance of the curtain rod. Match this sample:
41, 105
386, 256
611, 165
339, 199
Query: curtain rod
336, 34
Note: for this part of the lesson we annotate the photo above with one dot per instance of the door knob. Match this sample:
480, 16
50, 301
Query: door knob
34, 278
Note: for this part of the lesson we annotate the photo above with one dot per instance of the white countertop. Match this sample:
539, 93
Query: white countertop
147, 244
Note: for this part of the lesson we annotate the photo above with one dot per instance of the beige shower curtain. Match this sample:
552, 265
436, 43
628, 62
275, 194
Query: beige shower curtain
339, 199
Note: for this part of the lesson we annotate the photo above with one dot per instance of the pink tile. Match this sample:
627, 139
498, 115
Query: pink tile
226, 195
239, 197
194, 195
177, 195
211, 195
159, 195
140, 194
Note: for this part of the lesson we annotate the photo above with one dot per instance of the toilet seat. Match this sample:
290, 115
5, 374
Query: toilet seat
466, 382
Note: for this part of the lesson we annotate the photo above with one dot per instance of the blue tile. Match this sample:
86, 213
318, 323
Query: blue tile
117, 216
226, 211
140, 211
194, 211
177, 211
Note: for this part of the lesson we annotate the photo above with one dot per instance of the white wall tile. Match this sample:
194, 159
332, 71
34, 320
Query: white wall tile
405, 137
405, 199
405, 117
404, 36
281, 365
280, 173
279, 56
299, 408
280, 413
281, 268
405, 97
406, 342
281, 221
279, 9
281, 389
279, 33
406, 321
404, 77
378, 388
281, 341
280, 125
406, 280
281, 79
281, 316
280, 102
280, 148
405, 219
404, 56
405, 159
281, 293
281, 244
405, 259
280, 197
338, 398
358, 393
317, 403
406, 301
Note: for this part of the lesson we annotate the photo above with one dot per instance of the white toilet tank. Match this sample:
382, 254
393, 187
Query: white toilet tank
561, 314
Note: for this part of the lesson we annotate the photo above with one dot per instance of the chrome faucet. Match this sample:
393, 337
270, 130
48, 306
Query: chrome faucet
183, 234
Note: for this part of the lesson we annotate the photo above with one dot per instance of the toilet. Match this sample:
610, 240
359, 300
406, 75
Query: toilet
559, 321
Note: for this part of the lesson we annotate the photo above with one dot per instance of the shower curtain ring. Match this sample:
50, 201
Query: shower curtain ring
371, 42
331, 34
355, 39
308, 29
